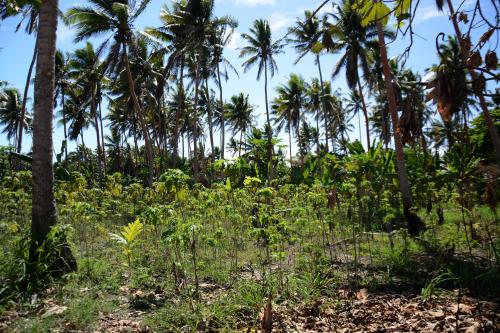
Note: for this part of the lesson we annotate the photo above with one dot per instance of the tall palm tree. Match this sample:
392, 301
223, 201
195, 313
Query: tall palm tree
10, 113
314, 105
357, 42
87, 71
218, 39
239, 115
104, 16
288, 105
354, 107
29, 12
44, 213
308, 34
414, 223
62, 85
76, 112
261, 50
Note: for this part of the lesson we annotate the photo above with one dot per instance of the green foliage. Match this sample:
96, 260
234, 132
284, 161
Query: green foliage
25, 271
431, 288
128, 238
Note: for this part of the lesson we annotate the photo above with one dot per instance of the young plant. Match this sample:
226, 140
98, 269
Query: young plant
128, 238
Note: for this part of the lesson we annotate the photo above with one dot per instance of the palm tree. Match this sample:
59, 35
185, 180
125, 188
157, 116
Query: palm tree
307, 38
218, 39
44, 212
288, 105
353, 107
76, 114
357, 42
414, 223
116, 17
29, 12
61, 87
314, 104
87, 70
10, 113
261, 50
239, 115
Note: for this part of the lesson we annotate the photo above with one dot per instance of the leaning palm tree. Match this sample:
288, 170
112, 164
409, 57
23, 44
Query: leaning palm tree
29, 12
414, 223
104, 16
10, 114
356, 42
309, 35
261, 50
239, 115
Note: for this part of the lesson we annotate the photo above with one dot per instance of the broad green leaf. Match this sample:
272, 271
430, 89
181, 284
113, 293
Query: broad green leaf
377, 11
132, 230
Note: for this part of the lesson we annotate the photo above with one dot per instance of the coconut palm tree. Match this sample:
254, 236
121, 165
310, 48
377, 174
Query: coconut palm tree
29, 12
309, 35
288, 105
44, 213
239, 115
414, 223
117, 18
356, 43
87, 71
10, 113
354, 108
261, 50
62, 85
218, 39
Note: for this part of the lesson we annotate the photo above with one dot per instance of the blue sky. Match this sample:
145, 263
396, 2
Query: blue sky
16, 49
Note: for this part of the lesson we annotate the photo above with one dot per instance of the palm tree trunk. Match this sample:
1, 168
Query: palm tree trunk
178, 112
140, 114
25, 99
96, 125
365, 113
210, 125
241, 142
270, 167
290, 140
222, 119
195, 121
413, 222
183, 153
323, 101
482, 102
64, 124
44, 213
102, 139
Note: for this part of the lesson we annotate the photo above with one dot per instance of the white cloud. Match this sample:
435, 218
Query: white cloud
427, 13
253, 3
278, 21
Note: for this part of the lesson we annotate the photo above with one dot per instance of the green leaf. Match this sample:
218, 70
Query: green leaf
373, 12
228, 184
317, 48
131, 231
